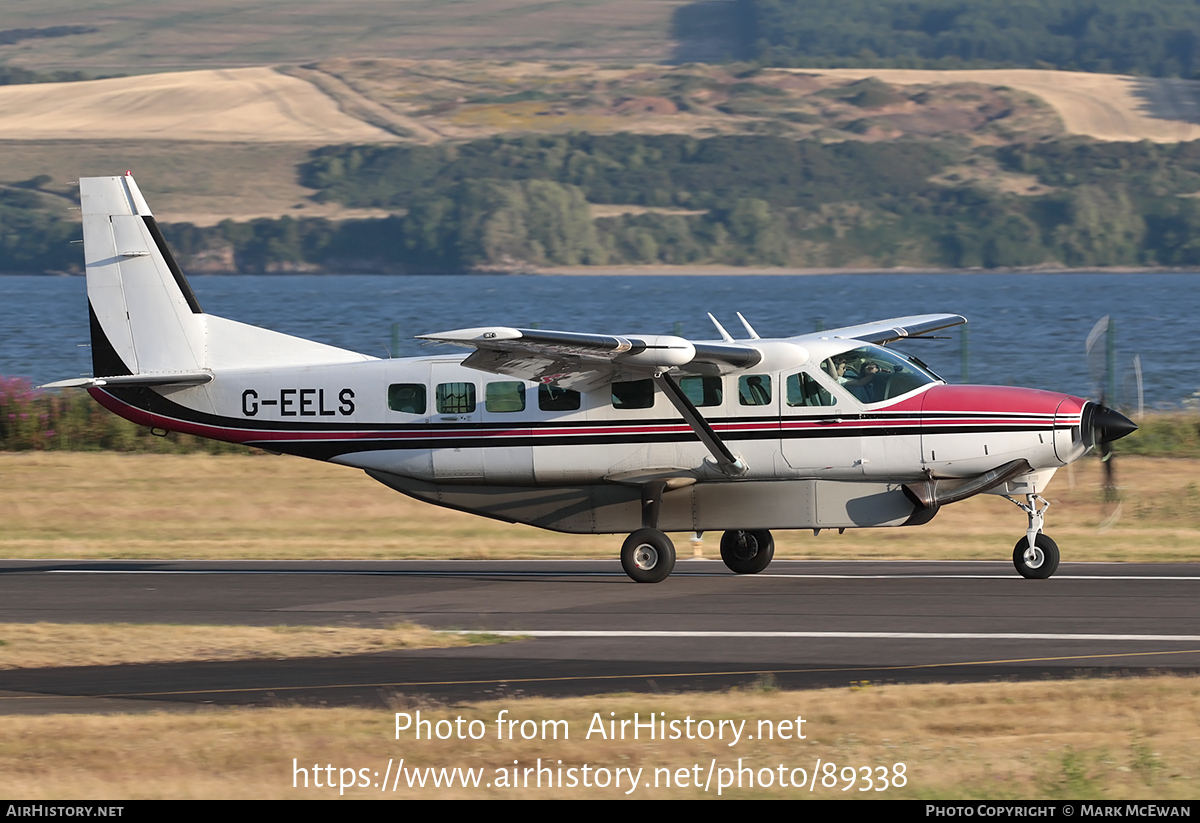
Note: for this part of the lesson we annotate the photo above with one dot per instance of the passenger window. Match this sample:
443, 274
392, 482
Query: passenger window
702, 391
455, 398
802, 390
407, 397
754, 390
508, 396
554, 398
636, 394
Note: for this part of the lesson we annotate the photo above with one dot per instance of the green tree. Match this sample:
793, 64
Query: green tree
1102, 228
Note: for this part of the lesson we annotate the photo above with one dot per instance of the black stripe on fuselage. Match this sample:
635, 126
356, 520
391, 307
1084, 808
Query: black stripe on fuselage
478, 436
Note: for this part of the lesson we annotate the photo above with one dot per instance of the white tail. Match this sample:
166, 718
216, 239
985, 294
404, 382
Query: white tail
138, 296
147, 325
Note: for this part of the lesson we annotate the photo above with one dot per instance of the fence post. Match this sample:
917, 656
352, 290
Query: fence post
964, 346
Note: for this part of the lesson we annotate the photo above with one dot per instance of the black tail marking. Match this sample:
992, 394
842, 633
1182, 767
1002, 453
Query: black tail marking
105, 360
176, 272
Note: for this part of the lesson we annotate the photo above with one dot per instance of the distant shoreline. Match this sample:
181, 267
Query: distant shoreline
669, 270
784, 270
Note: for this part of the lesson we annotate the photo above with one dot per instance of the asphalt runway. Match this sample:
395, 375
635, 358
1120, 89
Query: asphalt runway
590, 630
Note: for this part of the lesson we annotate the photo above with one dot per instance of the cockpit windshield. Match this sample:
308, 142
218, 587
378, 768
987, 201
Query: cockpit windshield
874, 374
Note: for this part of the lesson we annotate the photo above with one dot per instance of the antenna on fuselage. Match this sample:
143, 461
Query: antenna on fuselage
724, 334
749, 329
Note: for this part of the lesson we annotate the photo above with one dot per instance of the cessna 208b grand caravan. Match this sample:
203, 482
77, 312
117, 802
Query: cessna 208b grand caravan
588, 433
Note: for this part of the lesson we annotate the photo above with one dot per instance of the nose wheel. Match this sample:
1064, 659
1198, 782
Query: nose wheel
1035, 555
1037, 562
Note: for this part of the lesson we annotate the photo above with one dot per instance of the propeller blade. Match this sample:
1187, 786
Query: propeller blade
1097, 360
1101, 424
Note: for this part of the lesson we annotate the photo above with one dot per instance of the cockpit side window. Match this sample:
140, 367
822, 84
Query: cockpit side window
874, 374
803, 390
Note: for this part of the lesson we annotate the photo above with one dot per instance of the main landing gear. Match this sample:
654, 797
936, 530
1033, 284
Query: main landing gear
747, 552
648, 555
1035, 555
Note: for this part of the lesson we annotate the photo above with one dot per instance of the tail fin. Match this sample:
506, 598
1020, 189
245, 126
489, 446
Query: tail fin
147, 325
145, 318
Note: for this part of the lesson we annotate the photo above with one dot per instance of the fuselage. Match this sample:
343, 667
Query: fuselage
435, 420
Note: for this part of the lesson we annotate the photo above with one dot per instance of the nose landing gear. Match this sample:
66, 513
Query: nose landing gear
1035, 556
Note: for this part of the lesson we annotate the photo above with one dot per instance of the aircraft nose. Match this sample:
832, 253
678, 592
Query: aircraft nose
1105, 424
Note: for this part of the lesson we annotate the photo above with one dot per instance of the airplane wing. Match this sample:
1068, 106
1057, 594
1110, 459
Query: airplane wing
585, 361
898, 328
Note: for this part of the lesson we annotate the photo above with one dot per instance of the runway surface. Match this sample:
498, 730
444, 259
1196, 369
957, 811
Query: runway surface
590, 630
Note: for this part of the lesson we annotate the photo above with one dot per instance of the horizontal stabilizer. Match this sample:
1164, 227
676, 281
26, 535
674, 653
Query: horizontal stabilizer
194, 378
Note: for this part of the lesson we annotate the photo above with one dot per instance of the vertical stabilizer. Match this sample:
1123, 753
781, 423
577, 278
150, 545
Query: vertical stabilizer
145, 318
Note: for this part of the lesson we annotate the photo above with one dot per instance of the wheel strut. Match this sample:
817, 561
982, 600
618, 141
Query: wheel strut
648, 555
1035, 556
1037, 515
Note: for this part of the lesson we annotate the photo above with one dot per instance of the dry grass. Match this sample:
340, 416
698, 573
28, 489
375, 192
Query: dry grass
432, 100
1103, 106
102, 505
380, 101
256, 105
1110, 739
46, 645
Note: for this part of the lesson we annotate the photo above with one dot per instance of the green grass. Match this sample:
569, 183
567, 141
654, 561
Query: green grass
1164, 435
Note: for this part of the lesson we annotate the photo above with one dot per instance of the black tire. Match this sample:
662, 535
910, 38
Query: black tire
747, 552
648, 556
1041, 562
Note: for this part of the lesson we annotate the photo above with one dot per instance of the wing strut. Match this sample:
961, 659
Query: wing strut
727, 462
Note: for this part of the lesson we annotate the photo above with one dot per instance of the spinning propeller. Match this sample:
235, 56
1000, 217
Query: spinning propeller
1102, 424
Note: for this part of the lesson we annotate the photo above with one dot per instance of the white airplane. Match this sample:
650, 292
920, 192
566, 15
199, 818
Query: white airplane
588, 433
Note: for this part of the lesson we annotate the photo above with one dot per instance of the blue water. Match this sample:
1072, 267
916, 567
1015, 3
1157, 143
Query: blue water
1026, 329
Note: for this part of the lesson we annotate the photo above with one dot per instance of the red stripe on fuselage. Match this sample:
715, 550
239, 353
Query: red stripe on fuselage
960, 406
